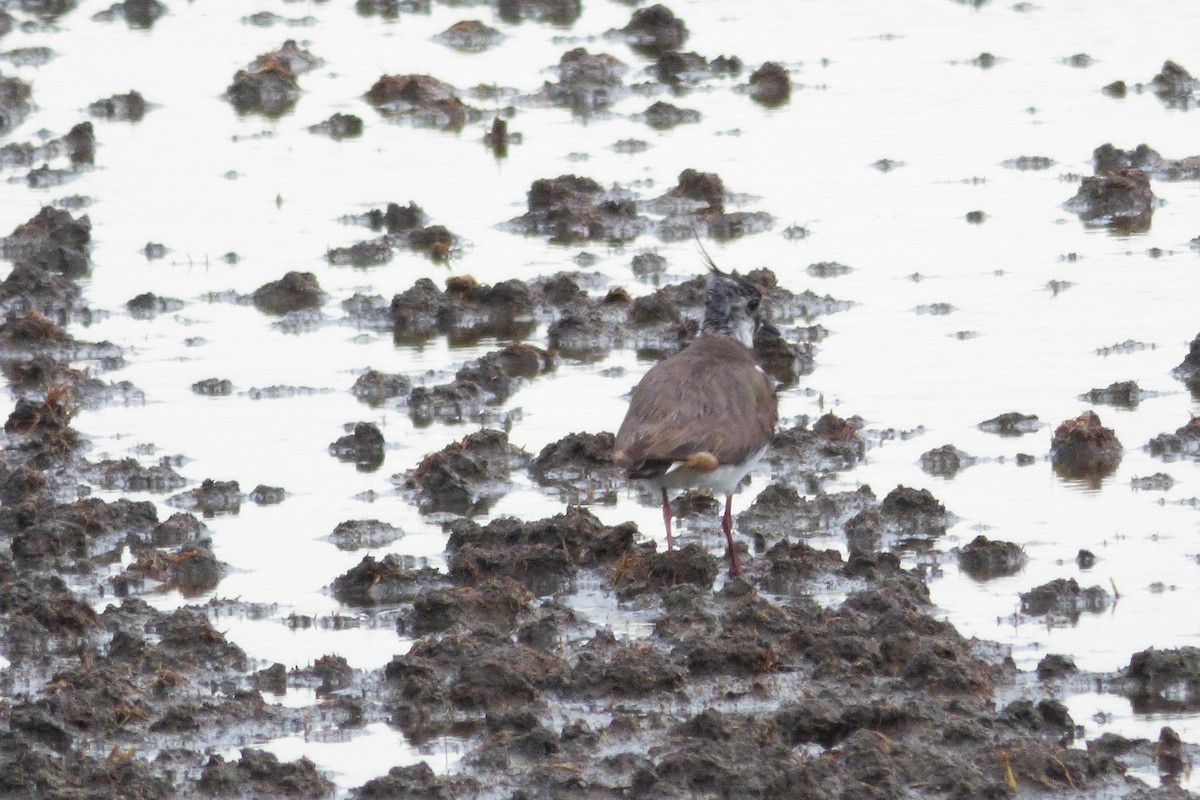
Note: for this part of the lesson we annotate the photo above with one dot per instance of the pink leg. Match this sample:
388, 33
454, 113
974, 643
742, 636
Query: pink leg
735, 568
667, 520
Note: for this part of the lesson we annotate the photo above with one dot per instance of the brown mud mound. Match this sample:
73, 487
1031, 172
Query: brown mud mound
470, 36
1163, 680
466, 476
52, 240
339, 126
946, 461
423, 100
1123, 394
392, 579
682, 70
487, 381
1185, 441
1083, 448
983, 558
363, 446
571, 208
210, 498
293, 292
654, 30
579, 467
130, 107
544, 555
1107, 158
770, 84
697, 203
1121, 199
268, 86
587, 82
1062, 599
374, 387
261, 774
831, 445
465, 311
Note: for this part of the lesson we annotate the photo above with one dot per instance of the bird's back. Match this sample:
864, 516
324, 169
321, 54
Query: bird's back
710, 398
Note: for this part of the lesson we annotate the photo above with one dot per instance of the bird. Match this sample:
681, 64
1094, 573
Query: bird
702, 418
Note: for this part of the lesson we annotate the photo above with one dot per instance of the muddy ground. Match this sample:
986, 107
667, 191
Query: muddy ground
746, 687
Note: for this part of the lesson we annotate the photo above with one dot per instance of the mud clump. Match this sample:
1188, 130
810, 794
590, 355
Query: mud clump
688, 565
1164, 680
213, 387
543, 555
356, 534
46, 424
698, 202
52, 241
470, 36
466, 476
983, 558
405, 227
915, 514
374, 387
210, 498
192, 570
1188, 370
391, 579
655, 30
1063, 599
15, 103
492, 605
679, 70
1054, 666
1083, 448
1121, 199
489, 380
149, 305
1012, 423
262, 774
465, 311
770, 84
1175, 86
1107, 159
419, 780
129, 475
663, 116
339, 126
130, 107
579, 466
556, 12
295, 291
574, 209
423, 100
587, 82
363, 446
1124, 394
945, 461
268, 86
782, 360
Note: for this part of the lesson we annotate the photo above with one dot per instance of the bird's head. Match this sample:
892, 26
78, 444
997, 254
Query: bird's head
732, 305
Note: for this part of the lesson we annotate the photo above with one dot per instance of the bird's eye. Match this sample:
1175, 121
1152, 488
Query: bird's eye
752, 305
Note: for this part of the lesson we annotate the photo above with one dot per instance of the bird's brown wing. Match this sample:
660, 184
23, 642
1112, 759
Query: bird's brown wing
712, 397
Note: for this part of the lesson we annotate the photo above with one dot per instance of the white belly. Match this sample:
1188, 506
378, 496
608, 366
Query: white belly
722, 480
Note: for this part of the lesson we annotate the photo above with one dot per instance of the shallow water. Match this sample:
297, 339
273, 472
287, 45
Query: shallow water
872, 80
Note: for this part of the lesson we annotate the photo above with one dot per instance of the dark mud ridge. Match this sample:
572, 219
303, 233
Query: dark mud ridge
747, 688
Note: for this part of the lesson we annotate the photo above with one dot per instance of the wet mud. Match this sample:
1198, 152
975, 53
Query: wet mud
747, 687
735, 682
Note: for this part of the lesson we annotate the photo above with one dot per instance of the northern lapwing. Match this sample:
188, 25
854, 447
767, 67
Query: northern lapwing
702, 418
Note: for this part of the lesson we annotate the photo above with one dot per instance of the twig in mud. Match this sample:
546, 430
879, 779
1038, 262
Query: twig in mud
1009, 777
1066, 771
